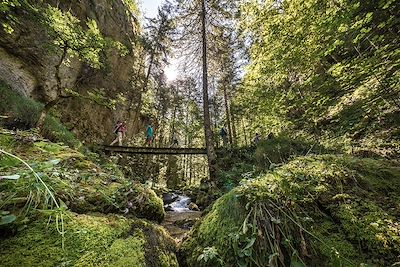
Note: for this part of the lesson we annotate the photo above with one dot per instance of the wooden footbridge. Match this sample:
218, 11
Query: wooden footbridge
155, 150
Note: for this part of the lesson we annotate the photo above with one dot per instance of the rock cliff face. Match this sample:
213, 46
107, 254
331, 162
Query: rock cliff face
29, 66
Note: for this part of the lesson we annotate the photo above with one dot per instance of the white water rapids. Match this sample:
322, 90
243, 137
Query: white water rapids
180, 204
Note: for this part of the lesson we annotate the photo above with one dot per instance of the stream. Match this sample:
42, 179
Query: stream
179, 218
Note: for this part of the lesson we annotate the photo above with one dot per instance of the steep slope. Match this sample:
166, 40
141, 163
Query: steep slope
63, 209
313, 211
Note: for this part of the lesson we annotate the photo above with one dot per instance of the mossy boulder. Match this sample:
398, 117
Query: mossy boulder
203, 195
89, 240
84, 185
141, 201
316, 211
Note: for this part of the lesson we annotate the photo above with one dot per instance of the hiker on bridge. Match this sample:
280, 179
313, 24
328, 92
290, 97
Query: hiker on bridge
149, 135
224, 135
257, 139
119, 130
175, 142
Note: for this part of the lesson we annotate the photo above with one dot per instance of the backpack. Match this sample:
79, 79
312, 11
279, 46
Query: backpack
117, 129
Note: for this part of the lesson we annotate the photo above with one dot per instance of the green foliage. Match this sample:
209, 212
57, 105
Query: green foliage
86, 236
100, 97
210, 256
214, 231
322, 69
65, 30
244, 163
278, 150
133, 7
313, 211
68, 34
235, 165
9, 21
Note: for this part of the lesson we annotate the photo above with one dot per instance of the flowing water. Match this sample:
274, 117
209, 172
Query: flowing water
180, 204
179, 218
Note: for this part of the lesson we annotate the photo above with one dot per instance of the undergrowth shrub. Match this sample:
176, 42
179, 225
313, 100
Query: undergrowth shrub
22, 113
281, 148
243, 163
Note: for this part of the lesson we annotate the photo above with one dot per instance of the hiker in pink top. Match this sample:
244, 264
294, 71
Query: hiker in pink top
119, 130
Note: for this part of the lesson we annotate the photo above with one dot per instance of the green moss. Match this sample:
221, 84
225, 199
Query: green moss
141, 201
160, 248
168, 260
6, 140
122, 252
90, 240
216, 229
326, 210
83, 185
40, 244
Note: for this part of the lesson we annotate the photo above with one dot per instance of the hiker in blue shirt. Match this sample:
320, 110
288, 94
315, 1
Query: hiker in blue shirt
149, 135
224, 135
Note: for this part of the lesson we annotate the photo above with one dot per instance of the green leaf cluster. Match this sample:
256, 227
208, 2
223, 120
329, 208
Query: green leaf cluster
325, 68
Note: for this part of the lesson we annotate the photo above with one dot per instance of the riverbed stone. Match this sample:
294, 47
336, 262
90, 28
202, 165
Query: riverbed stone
193, 206
168, 198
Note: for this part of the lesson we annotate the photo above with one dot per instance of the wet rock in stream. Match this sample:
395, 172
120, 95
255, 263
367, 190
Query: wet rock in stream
168, 198
181, 215
179, 223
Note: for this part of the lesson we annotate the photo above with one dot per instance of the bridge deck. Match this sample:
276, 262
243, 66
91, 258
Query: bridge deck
155, 150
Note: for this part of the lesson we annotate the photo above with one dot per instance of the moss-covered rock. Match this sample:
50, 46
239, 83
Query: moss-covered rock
89, 240
84, 185
317, 210
141, 201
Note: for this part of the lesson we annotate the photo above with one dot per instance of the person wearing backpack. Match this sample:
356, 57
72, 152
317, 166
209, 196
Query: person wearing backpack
149, 135
224, 135
119, 130
175, 142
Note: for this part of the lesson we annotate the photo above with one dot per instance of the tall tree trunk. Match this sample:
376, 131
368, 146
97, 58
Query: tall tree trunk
211, 156
244, 132
216, 138
228, 117
234, 133
43, 114
173, 125
146, 79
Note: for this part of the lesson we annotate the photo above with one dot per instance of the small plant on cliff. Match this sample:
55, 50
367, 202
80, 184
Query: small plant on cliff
70, 40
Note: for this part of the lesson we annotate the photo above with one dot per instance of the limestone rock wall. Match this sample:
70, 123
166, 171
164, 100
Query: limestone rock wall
29, 67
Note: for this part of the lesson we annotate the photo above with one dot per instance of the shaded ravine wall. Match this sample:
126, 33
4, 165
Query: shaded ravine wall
28, 66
